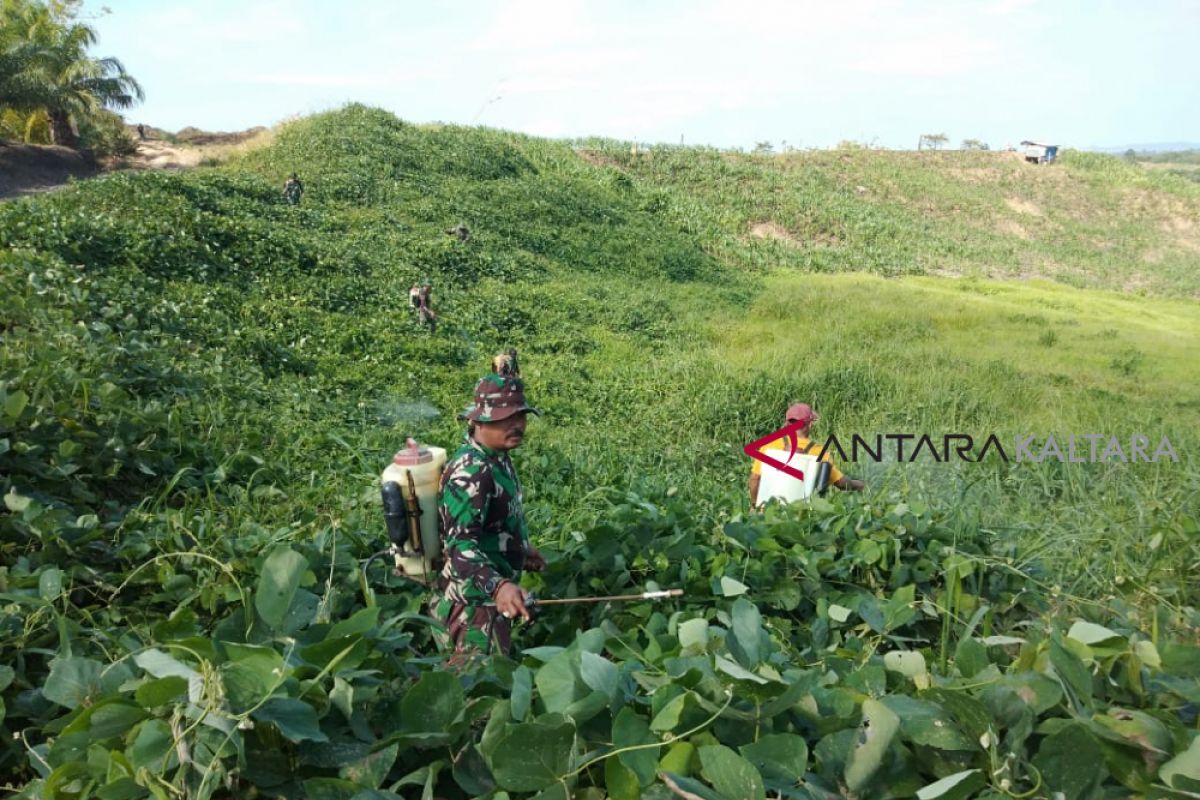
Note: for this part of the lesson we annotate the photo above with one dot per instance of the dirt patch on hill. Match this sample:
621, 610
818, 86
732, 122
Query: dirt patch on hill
1020, 206
27, 169
771, 230
1012, 228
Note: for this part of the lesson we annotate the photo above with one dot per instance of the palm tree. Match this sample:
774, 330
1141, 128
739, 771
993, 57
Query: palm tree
53, 71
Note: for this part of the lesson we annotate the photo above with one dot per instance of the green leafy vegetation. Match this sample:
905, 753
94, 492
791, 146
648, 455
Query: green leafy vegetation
199, 385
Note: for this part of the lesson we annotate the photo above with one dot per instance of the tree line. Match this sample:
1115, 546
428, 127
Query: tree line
52, 89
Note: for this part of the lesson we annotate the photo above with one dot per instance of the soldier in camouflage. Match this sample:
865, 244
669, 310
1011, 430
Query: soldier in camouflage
485, 540
292, 189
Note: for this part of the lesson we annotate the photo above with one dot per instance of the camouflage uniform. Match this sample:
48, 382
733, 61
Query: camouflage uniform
292, 190
485, 540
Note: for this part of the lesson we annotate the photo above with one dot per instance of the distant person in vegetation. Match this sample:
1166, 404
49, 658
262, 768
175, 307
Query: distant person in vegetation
141, 129
460, 232
419, 296
803, 414
485, 539
292, 189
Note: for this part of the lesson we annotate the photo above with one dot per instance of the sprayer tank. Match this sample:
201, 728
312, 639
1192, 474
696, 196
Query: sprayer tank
419, 467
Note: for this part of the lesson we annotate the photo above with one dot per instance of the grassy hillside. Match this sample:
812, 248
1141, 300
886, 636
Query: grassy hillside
200, 384
1088, 221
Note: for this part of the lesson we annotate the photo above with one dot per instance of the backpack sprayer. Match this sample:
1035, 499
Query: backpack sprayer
409, 487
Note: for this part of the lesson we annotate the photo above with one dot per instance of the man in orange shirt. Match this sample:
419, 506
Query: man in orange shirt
804, 415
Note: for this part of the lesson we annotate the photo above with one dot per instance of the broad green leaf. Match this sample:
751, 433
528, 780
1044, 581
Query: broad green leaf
277, 585
731, 587
1181, 659
620, 781
1185, 766
970, 714
599, 674
16, 503
668, 717
338, 654
970, 657
1039, 692
433, 703
1135, 728
587, 706
332, 754
330, 789
900, 608
111, 716
958, 786
342, 697
296, 719
50, 584
678, 758
534, 755
1072, 671
872, 614
926, 723
371, 771
693, 633
735, 670
1091, 634
780, 756
730, 774
251, 673
75, 681
522, 692
361, 622
558, 681
150, 745
14, 404
630, 730
839, 613
161, 691
6, 676
124, 788
690, 789
880, 725
1148, 653
746, 634
1071, 763
471, 773
909, 663
495, 729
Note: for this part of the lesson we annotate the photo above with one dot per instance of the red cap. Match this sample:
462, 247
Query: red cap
412, 454
800, 412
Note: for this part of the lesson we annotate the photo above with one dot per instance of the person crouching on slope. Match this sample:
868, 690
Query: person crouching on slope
485, 539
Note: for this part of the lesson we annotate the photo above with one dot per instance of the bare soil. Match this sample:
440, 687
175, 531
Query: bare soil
27, 169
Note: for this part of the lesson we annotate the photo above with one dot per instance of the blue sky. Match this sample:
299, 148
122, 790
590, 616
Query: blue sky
727, 73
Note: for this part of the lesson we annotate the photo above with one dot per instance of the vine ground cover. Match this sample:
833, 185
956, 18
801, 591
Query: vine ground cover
200, 385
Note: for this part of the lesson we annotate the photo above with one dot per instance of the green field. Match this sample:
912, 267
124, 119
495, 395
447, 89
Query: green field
200, 384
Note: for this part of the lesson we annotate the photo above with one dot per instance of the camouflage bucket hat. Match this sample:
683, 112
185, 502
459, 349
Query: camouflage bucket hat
497, 397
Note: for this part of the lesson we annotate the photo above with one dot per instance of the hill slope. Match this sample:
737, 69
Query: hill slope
200, 384
1087, 221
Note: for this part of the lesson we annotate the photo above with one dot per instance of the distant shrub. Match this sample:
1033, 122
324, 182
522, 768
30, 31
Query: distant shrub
104, 134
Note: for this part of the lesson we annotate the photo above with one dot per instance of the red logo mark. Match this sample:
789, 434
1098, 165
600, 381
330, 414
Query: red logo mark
753, 449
